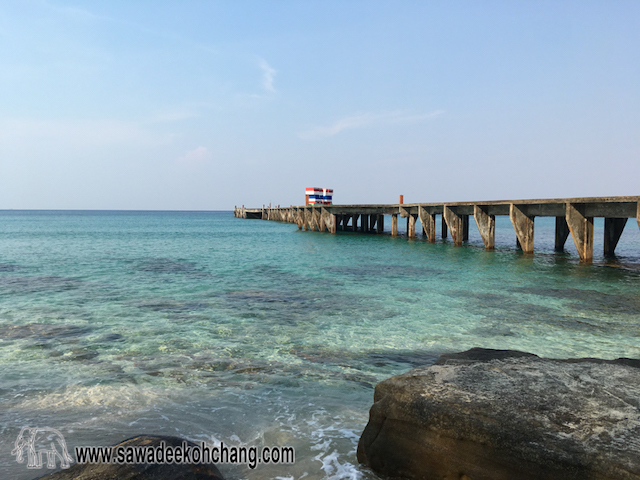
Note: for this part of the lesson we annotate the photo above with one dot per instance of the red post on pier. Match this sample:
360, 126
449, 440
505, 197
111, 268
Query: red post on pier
401, 199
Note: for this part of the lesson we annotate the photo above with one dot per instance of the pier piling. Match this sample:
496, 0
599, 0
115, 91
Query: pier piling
486, 226
428, 221
454, 223
562, 233
411, 226
581, 227
523, 225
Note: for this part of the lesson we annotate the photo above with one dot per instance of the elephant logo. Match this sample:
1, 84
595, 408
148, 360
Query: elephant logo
38, 441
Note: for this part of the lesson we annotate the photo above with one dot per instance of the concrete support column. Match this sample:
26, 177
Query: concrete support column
443, 227
394, 225
613, 228
454, 223
428, 222
298, 218
523, 225
317, 217
486, 226
581, 228
313, 226
562, 233
322, 220
306, 217
354, 222
364, 222
334, 223
372, 222
465, 228
380, 224
411, 226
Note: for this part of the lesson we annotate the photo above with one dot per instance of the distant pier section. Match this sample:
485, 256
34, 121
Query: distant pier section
574, 216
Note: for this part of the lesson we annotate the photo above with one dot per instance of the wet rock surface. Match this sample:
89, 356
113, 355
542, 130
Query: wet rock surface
142, 471
499, 414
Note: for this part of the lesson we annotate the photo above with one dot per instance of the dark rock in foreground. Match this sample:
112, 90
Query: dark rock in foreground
504, 415
143, 471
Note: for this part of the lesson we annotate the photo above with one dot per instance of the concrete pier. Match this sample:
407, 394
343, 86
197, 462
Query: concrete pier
574, 216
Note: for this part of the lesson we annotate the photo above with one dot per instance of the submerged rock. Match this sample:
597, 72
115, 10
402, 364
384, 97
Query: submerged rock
504, 415
142, 471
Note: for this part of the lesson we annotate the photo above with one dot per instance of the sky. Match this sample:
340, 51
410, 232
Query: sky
204, 105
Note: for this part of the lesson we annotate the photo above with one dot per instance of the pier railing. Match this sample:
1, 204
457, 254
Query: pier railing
574, 216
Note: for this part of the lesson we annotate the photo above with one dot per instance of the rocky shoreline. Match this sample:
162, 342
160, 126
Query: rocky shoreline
476, 415
498, 414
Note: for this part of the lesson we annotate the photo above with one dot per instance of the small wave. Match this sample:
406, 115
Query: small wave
125, 397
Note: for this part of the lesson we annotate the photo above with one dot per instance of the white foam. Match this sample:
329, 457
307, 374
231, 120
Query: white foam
125, 397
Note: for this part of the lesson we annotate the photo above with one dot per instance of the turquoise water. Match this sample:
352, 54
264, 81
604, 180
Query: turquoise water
214, 328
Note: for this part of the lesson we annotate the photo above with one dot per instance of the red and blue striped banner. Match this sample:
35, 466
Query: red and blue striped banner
319, 195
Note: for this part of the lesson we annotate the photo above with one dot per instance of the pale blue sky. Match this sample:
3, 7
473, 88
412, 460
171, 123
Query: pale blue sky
205, 105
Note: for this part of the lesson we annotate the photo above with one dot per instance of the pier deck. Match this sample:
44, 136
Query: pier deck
574, 216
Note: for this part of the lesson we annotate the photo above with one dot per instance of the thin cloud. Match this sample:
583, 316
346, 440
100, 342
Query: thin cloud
268, 75
196, 156
365, 120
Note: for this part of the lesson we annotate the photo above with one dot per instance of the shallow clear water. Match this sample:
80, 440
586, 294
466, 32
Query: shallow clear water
214, 328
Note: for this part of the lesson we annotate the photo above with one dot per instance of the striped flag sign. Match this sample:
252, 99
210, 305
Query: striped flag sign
319, 195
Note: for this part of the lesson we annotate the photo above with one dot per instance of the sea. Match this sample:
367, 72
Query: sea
250, 332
